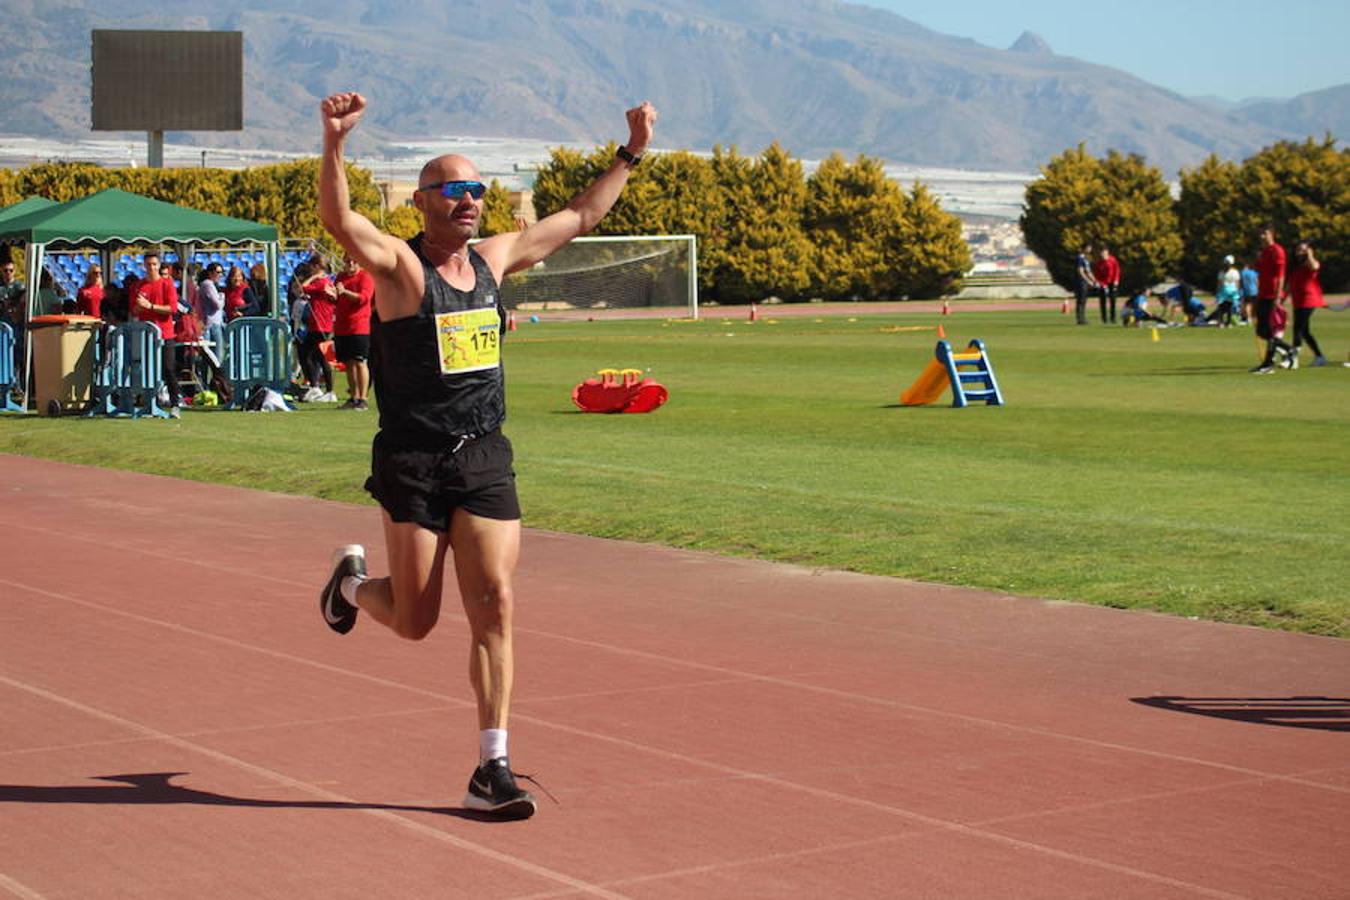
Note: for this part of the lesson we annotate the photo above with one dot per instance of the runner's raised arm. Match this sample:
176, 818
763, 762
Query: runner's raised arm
373, 249
518, 250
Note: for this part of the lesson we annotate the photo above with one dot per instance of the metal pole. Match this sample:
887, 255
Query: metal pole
154, 154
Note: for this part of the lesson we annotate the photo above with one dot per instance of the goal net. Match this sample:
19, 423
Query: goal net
611, 273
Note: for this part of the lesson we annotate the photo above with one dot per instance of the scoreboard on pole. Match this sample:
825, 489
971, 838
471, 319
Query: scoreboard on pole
157, 81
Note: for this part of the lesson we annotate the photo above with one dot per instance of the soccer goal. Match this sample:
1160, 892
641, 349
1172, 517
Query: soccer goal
611, 273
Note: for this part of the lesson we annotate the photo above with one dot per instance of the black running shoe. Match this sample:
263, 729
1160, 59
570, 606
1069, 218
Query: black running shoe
492, 789
337, 612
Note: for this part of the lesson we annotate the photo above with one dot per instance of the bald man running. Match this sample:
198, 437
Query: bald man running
441, 469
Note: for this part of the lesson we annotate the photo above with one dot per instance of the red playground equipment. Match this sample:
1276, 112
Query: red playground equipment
619, 391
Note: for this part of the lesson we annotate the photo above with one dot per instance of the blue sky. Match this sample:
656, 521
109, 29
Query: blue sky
1233, 49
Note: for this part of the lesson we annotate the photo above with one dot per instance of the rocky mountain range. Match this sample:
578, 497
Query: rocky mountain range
815, 75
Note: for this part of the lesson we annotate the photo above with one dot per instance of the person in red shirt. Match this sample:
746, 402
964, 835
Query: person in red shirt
156, 301
322, 296
1270, 272
351, 330
1305, 288
239, 297
1106, 271
89, 298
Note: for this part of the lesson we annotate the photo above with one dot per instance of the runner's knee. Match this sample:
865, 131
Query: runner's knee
490, 610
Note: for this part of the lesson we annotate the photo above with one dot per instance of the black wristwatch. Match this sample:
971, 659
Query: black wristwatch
627, 156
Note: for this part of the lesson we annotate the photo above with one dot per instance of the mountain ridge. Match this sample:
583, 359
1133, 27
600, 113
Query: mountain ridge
817, 76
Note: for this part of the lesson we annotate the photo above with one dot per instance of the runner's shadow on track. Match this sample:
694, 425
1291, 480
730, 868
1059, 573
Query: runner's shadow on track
1321, 713
152, 788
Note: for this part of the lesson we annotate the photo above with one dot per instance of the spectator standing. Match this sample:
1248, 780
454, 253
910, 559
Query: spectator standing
114, 305
1107, 273
297, 305
1305, 288
89, 298
14, 312
50, 297
156, 302
1251, 280
239, 297
211, 303
1227, 294
1270, 289
296, 301
351, 330
1084, 283
257, 282
321, 294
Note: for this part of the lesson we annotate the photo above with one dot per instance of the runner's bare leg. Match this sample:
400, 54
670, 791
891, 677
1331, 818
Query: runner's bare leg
486, 551
409, 600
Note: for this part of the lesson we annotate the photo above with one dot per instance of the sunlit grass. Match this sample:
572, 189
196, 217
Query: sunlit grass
1123, 471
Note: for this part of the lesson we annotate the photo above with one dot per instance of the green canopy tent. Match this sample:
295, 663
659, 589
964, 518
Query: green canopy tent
23, 207
111, 219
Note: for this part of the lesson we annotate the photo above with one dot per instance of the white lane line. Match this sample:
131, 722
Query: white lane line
828, 796
315, 791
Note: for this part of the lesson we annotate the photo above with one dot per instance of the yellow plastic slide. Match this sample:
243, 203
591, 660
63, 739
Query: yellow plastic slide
928, 387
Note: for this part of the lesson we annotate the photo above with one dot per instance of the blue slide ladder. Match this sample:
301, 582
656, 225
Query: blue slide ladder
127, 370
971, 374
7, 369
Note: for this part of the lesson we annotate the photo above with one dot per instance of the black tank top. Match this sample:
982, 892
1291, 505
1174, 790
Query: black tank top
437, 374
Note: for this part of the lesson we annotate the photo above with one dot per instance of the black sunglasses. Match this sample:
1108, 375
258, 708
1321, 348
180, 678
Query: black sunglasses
456, 189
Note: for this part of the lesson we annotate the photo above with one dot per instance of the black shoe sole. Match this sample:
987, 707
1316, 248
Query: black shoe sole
512, 810
342, 618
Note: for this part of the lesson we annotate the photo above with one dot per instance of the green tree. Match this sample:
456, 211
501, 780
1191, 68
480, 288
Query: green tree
60, 181
855, 218
931, 254
567, 173
687, 199
403, 222
1119, 201
10, 189
1212, 220
1303, 189
498, 215
768, 253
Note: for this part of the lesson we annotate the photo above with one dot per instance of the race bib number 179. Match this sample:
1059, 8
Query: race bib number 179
469, 341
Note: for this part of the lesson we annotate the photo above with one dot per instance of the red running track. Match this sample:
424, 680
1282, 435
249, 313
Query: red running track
176, 721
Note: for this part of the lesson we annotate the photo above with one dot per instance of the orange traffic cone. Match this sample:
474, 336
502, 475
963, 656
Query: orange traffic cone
1064, 308
942, 332
510, 321
946, 308
754, 313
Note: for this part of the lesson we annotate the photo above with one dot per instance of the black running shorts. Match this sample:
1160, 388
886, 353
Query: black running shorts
426, 486
348, 347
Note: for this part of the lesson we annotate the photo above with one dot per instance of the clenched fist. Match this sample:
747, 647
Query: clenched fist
640, 122
340, 113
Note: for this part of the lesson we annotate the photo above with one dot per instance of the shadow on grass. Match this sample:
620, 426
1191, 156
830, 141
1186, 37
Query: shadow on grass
1180, 370
1322, 713
151, 788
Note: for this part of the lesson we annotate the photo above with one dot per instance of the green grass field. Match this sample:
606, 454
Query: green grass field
1122, 472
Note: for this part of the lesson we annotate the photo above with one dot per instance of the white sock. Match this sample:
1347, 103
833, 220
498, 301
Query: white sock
347, 587
491, 743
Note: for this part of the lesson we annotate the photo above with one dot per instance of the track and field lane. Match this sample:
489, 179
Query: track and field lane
711, 727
